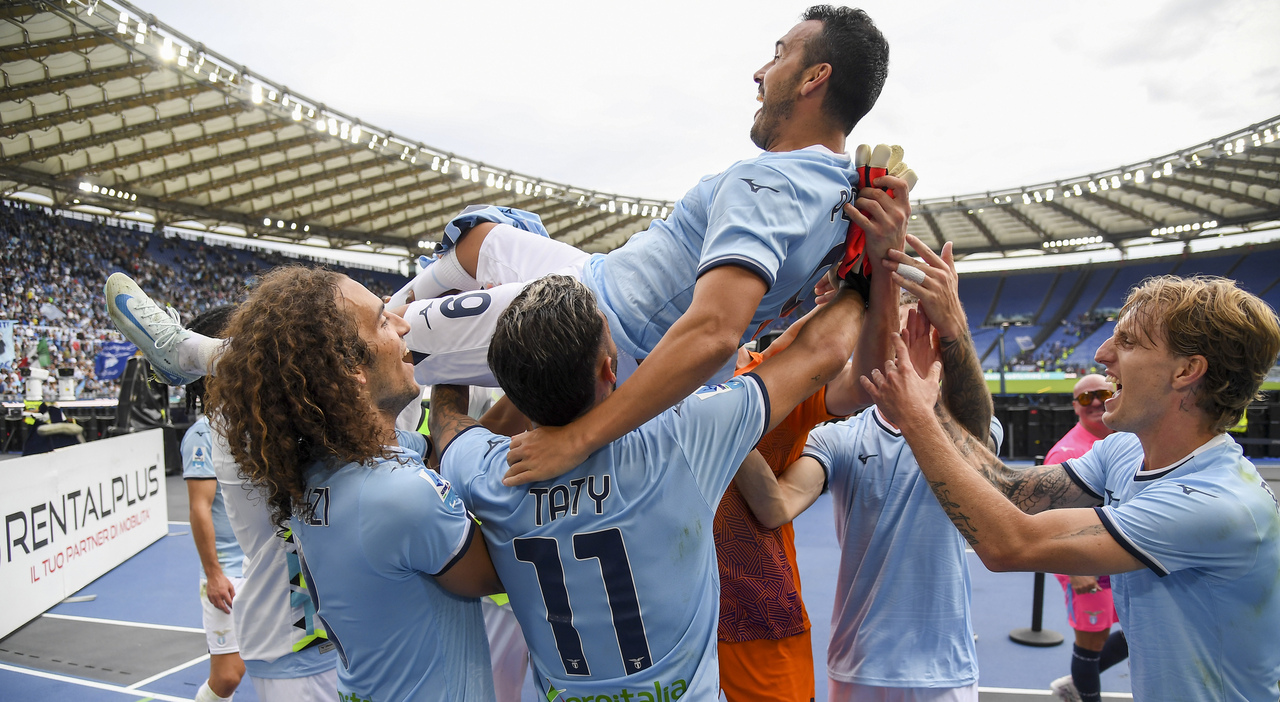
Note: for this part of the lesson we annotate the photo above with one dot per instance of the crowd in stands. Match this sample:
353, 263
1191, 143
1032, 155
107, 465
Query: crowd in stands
53, 269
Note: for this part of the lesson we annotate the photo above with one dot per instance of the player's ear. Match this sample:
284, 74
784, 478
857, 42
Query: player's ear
815, 77
1189, 371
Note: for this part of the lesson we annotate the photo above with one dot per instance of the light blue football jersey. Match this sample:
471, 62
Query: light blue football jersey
1203, 618
779, 215
378, 532
901, 616
197, 464
611, 567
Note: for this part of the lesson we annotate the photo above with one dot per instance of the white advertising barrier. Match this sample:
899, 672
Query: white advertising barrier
74, 514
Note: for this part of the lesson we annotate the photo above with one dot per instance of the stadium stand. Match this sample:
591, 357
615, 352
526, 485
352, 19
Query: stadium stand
54, 267
1067, 340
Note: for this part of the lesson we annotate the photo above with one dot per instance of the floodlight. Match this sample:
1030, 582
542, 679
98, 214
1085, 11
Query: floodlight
166, 49
255, 94
266, 222
355, 134
123, 27
489, 180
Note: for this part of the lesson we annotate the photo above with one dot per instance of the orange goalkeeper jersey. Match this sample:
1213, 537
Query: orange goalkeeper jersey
759, 578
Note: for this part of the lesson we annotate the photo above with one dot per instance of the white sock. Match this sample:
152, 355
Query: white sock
442, 276
197, 355
206, 694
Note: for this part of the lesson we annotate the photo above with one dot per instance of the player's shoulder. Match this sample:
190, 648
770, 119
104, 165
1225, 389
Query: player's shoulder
199, 433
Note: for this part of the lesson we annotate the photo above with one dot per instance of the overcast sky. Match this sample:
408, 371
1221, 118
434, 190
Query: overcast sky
643, 99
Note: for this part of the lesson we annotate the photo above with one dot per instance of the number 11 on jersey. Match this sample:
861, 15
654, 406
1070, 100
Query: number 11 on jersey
609, 550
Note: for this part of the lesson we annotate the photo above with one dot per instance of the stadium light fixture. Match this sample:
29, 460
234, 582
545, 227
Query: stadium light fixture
550, 192
498, 184
664, 213
141, 36
344, 130
466, 172
297, 112
306, 227
435, 163
255, 93
1115, 181
166, 50
613, 206
444, 167
86, 187
280, 223
213, 75
1036, 195
537, 189
266, 222
1168, 168
1026, 199
355, 134
1139, 177
123, 26
1076, 189
489, 180
1048, 194
93, 4
183, 56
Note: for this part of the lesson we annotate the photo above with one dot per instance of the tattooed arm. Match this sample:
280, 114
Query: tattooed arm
1032, 490
448, 416
1069, 541
964, 389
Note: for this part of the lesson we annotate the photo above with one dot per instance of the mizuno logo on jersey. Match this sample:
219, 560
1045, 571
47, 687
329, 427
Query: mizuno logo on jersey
493, 444
756, 188
1187, 490
864, 456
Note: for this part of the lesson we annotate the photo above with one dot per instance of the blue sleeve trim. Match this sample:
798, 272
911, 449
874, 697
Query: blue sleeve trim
764, 395
1075, 478
826, 470
455, 439
741, 262
1128, 544
466, 546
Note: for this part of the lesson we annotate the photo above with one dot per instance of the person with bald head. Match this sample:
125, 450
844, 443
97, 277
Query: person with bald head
1090, 608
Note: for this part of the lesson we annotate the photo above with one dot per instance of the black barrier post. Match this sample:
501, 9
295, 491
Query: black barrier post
1037, 636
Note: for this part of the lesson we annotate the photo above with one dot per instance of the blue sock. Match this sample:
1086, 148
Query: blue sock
1085, 673
1114, 650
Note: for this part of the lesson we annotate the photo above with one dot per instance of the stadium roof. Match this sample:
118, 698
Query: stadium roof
107, 106
103, 105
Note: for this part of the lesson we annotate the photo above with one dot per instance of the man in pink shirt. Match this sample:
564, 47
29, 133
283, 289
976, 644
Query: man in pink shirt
1090, 609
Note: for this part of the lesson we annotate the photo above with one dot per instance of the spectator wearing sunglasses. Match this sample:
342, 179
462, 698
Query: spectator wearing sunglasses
1090, 608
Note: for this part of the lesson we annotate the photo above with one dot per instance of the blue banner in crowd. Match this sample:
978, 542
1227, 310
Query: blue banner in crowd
110, 361
7, 353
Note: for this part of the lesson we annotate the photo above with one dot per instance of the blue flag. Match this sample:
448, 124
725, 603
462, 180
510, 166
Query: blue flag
110, 361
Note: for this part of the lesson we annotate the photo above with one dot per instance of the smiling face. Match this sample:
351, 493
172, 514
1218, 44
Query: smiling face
388, 377
1091, 414
1143, 372
779, 82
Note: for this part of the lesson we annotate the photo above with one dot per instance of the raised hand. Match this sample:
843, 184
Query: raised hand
922, 344
939, 293
900, 392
